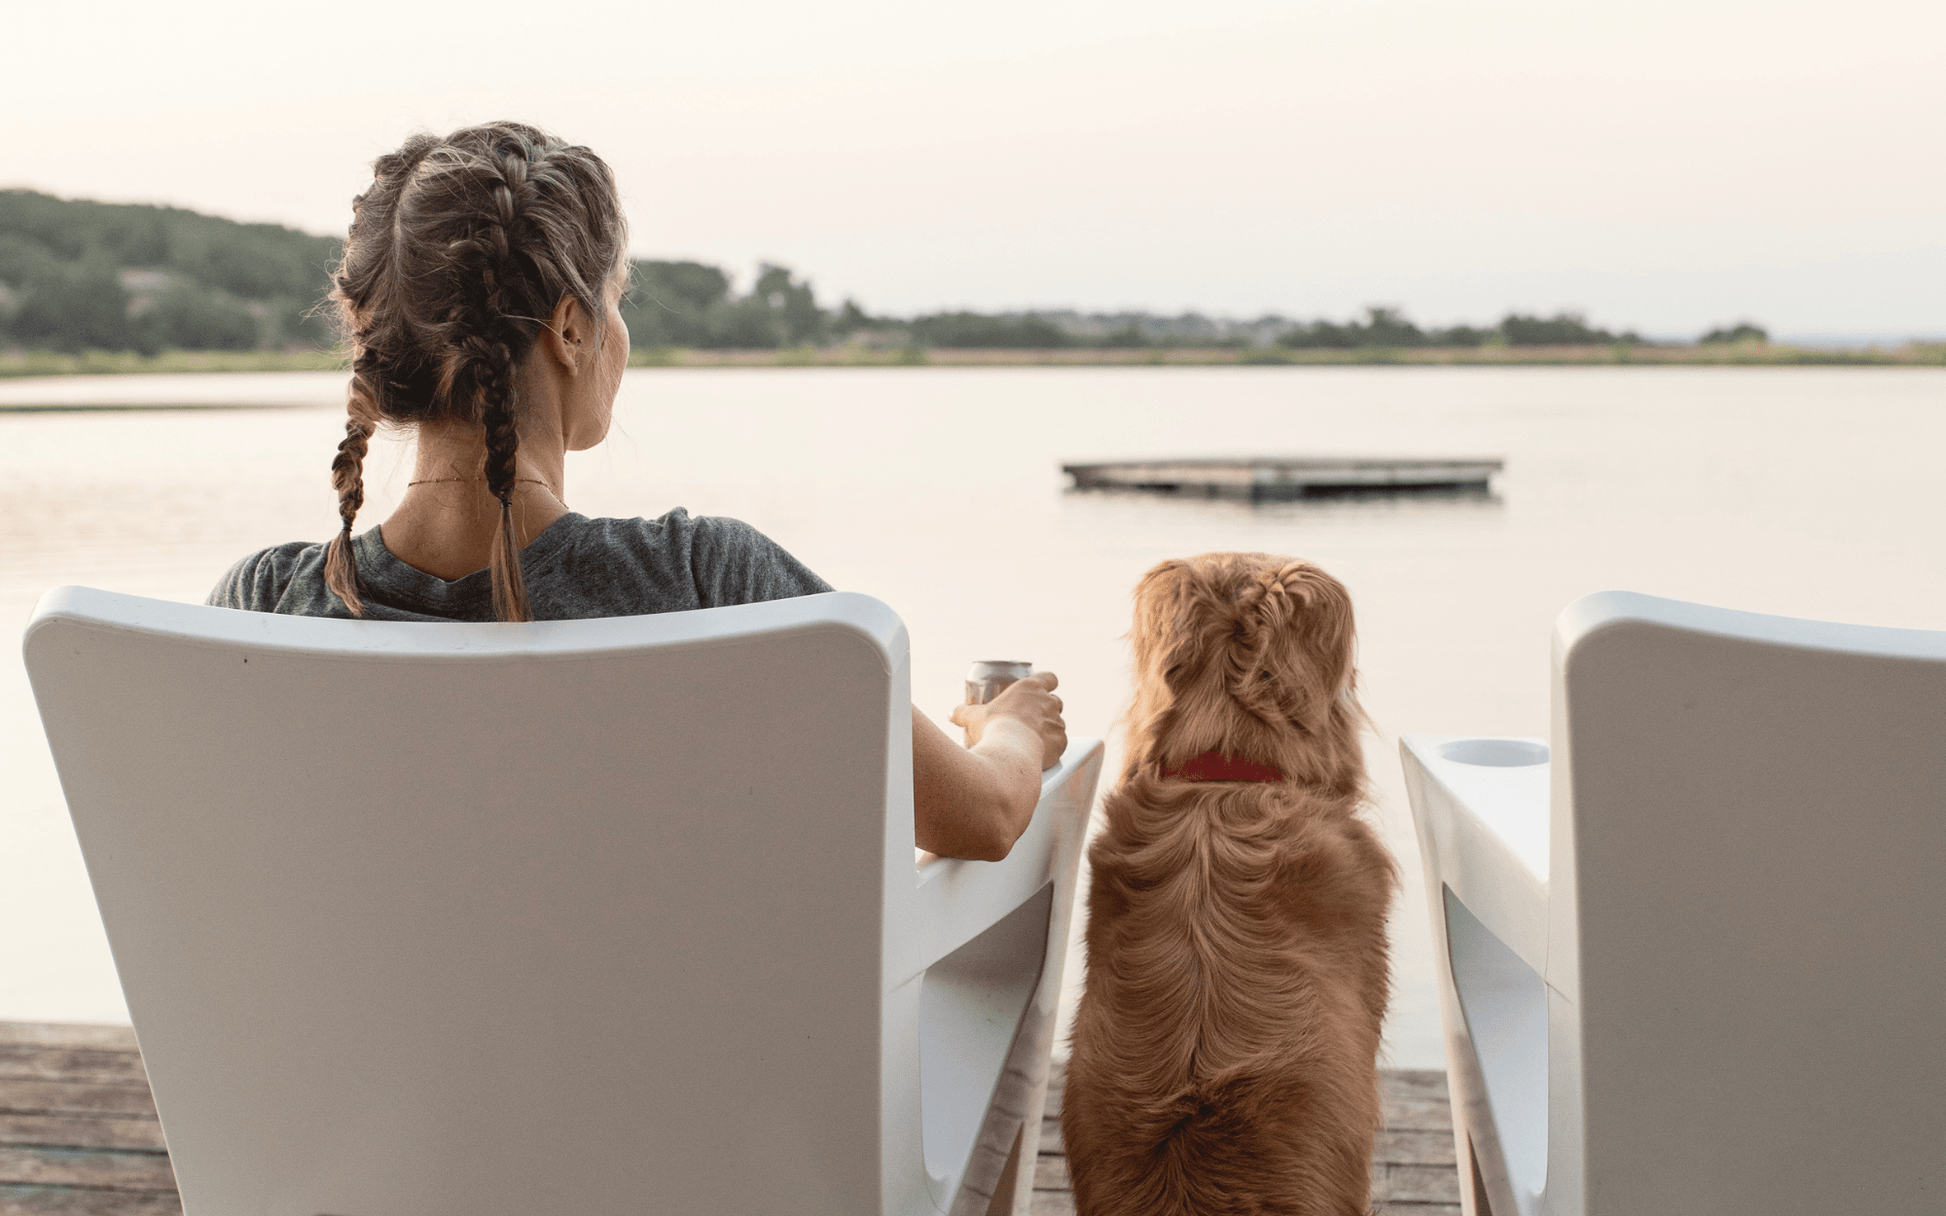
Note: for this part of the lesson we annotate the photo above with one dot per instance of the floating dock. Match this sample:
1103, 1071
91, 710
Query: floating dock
1279, 477
78, 1134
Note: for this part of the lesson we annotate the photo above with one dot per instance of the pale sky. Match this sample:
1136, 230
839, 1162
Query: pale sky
1662, 164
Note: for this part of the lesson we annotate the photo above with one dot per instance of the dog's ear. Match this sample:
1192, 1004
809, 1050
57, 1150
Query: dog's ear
1170, 623
1296, 635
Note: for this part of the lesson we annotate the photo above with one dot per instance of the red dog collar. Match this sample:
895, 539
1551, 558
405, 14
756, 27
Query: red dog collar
1214, 766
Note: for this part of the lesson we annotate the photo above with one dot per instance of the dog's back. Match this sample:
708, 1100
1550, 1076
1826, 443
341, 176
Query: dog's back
1224, 1052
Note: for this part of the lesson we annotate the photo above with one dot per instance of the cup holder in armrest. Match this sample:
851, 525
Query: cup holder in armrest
1494, 753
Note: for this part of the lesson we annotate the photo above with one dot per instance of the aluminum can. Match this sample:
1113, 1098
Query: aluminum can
986, 678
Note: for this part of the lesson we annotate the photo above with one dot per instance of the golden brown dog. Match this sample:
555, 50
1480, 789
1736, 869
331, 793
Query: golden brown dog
1225, 1050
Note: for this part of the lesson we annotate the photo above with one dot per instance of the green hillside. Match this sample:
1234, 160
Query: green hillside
88, 286
78, 275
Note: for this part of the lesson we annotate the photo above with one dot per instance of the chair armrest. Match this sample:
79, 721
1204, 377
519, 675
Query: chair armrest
1482, 810
956, 900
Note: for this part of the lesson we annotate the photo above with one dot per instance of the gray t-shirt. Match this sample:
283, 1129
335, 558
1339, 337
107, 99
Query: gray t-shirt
577, 568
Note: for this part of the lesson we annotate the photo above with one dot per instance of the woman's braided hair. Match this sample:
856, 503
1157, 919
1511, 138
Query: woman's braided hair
458, 253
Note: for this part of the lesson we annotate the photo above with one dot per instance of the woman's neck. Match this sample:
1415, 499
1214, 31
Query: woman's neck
446, 522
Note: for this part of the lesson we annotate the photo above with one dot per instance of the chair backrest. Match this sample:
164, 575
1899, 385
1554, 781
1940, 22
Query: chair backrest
1748, 854
580, 916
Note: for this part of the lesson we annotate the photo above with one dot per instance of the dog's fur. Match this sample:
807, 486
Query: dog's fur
1225, 1050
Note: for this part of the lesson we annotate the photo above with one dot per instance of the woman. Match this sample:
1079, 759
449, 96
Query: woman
480, 291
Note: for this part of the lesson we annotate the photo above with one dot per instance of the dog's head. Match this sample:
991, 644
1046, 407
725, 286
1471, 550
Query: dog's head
1250, 655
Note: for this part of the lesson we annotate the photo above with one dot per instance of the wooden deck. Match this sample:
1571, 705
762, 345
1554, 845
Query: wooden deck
79, 1137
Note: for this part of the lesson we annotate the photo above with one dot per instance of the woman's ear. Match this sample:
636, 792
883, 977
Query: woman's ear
565, 334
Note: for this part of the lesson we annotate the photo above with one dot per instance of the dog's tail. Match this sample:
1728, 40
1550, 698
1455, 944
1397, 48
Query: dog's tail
1245, 1126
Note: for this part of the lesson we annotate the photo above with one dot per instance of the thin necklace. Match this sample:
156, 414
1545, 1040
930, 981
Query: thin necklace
423, 481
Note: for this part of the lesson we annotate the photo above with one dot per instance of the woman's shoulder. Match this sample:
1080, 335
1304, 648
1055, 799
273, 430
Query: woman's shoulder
266, 580
717, 560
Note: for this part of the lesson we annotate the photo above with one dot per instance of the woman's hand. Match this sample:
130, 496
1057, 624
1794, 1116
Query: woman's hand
1030, 701
976, 801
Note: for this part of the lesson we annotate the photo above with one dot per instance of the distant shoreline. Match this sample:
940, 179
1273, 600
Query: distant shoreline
1740, 355
17, 364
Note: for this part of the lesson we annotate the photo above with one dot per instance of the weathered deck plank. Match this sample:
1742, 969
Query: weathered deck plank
34, 1096
80, 1201
72, 1036
79, 1137
79, 1131
105, 1169
72, 1064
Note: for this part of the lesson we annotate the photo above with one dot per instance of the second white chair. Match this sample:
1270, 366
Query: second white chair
1694, 959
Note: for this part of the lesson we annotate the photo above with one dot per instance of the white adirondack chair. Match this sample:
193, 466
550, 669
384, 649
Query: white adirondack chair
604, 916
1697, 963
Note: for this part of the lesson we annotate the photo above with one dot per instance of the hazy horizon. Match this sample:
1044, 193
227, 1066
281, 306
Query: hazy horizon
1663, 166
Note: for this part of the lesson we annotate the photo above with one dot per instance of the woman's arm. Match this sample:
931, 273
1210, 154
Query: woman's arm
975, 801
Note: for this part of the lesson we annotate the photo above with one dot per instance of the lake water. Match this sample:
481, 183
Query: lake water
1807, 492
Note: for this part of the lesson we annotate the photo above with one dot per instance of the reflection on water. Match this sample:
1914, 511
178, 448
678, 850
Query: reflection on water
1805, 492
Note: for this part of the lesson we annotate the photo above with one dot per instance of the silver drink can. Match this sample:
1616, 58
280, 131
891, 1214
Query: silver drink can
985, 679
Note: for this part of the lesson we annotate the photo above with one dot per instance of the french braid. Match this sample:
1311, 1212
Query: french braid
348, 479
377, 206
458, 253
481, 365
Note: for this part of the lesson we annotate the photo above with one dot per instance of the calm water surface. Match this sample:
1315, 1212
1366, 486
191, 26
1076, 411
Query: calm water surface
1808, 492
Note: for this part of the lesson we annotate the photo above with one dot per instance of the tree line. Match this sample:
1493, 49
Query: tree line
1388, 328
692, 304
78, 275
